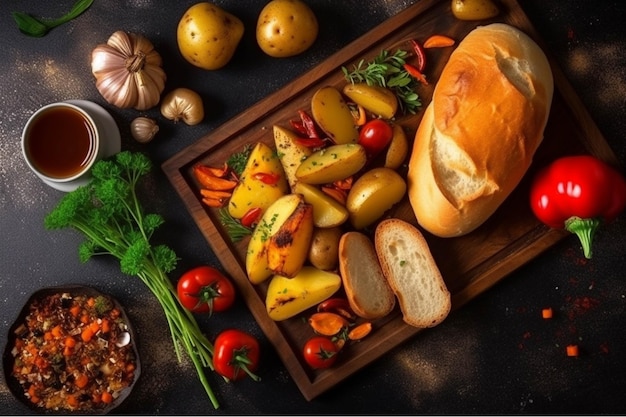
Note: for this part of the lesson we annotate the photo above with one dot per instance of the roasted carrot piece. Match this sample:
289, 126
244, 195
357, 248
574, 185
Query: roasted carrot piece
215, 194
327, 324
572, 350
360, 331
75, 311
81, 380
212, 182
106, 397
546, 313
438, 41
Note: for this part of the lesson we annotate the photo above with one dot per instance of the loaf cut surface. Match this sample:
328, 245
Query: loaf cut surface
412, 273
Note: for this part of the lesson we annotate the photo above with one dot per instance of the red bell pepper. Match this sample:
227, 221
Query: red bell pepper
578, 193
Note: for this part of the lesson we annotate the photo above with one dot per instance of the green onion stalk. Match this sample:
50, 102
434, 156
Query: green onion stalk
107, 211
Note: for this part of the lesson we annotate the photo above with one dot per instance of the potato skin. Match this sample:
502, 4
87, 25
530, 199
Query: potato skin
373, 194
208, 36
324, 250
286, 28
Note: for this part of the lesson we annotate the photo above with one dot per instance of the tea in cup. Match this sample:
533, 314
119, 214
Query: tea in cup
60, 142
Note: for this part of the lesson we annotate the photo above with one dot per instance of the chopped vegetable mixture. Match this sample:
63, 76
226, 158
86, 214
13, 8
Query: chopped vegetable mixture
72, 352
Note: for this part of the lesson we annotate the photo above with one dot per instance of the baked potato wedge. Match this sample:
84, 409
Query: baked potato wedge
254, 190
333, 116
327, 212
290, 152
376, 99
333, 163
287, 297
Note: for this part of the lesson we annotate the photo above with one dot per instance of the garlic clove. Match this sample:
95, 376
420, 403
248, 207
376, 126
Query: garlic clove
143, 129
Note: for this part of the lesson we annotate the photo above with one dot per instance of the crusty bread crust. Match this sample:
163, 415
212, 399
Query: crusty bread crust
479, 133
367, 289
412, 273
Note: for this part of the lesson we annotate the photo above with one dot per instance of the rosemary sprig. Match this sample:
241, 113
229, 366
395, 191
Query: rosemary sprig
387, 70
236, 231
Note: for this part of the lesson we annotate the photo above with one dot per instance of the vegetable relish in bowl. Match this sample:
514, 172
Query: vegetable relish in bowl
71, 350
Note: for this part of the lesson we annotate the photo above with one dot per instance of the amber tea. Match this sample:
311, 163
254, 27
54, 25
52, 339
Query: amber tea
60, 142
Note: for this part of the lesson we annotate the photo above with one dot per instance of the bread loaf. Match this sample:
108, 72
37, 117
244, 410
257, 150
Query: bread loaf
367, 290
478, 135
412, 273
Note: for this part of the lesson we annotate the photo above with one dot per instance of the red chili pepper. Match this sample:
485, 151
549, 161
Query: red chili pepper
268, 178
419, 54
576, 193
251, 217
298, 126
309, 125
415, 73
311, 142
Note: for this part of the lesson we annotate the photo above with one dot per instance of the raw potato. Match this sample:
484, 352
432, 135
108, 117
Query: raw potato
290, 152
332, 114
474, 9
324, 250
376, 99
327, 212
286, 28
208, 35
287, 297
398, 149
251, 192
373, 194
257, 261
333, 163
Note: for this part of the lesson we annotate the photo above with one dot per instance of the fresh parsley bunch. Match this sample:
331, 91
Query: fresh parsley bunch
107, 211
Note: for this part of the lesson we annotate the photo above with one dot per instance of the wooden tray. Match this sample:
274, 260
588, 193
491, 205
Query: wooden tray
469, 264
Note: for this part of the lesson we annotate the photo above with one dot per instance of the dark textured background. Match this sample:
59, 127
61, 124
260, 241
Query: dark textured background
495, 355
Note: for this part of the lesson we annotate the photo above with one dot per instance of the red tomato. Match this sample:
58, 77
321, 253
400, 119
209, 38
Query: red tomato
205, 289
375, 135
236, 354
320, 352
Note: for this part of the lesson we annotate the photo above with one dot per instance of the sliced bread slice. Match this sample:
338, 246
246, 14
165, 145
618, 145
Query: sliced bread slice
367, 290
412, 273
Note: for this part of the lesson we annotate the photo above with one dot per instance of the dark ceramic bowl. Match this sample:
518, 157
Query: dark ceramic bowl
75, 290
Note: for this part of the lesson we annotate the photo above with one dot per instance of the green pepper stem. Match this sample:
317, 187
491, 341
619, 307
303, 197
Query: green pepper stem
585, 230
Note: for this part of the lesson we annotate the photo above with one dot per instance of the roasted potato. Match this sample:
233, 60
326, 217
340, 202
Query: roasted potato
208, 35
376, 99
324, 249
257, 265
372, 194
287, 297
335, 162
253, 189
327, 212
332, 114
398, 148
288, 247
286, 28
290, 153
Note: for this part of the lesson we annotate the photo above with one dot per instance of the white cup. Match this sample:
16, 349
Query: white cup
61, 142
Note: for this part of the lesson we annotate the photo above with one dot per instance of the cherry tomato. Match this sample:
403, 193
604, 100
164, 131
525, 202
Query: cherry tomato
320, 352
375, 135
205, 289
236, 354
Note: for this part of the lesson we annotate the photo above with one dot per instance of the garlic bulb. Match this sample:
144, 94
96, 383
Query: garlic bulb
143, 129
183, 104
128, 71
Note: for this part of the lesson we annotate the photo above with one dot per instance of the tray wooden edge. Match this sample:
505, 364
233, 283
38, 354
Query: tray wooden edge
521, 252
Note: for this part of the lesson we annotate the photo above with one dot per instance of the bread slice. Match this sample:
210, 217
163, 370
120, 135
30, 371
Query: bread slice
367, 290
412, 273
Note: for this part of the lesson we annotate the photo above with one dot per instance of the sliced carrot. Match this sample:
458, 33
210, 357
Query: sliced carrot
81, 380
215, 194
106, 397
572, 350
57, 331
75, 311
546, 313
87, 334
327, 324
360, 331
71, 400
70, 341
438, 41
211, 202
47, 336
105, 326
212, 182
91, 301
68, 351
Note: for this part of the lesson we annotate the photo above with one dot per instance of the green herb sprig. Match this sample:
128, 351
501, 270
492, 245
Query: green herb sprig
107, 211
236, 231
387, 70
37, 28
